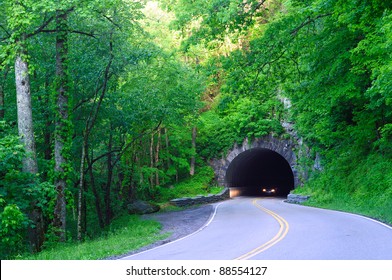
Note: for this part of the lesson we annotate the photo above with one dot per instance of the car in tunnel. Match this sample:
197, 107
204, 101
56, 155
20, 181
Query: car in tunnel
269, 190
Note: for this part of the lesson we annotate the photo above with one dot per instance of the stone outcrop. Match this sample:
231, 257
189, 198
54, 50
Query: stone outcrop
297, 198
142, 207
201, 199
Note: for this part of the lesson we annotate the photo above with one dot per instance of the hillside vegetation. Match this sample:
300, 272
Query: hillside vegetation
331, 61
105, 102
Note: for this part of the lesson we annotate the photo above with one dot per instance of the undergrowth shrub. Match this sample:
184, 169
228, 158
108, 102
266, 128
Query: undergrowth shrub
200, 183
12, 231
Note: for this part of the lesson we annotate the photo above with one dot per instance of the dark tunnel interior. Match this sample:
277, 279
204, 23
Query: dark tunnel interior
257, 169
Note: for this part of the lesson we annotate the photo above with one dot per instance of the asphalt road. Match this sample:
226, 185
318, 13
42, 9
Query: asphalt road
268, 228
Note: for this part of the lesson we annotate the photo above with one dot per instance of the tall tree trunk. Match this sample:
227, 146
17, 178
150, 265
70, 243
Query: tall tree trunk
25, 116
193, 160
26, 133
108, 208
62, 130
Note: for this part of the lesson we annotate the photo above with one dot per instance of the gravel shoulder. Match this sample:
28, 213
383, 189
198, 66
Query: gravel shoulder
178, 223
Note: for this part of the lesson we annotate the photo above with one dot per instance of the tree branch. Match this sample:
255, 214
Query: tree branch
49, 20
39, 29
107, 75
111, 21
258, 5
70, 31
6, 32
122, 149
133, 141
308, 21
261, 68
4, 39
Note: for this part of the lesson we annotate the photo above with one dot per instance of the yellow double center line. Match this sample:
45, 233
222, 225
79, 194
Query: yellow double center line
283, 230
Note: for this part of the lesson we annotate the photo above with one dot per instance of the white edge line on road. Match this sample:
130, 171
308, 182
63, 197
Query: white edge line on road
370, 219
186, 236
347, 213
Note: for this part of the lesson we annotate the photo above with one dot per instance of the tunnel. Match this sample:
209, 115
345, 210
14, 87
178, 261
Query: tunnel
257, 169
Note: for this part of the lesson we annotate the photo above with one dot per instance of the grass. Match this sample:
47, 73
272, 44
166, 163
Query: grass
126, 234
364, 188
343, 203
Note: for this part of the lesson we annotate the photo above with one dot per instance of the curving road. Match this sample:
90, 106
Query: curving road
268, 228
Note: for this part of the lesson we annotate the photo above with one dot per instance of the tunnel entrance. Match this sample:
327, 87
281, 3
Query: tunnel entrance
256, 171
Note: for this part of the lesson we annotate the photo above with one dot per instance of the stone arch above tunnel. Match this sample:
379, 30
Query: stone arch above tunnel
280, 149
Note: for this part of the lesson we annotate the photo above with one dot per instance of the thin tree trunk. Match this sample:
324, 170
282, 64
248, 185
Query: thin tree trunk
141, 179
2, 94
89, 126
131, 191
193, 160
44, 100
80, 231
152, 161
157, 183
62, 125
2, 109
84, 213
98, 206
168, 162
26, 133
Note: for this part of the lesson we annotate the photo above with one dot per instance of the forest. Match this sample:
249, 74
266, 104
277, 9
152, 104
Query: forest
106, 101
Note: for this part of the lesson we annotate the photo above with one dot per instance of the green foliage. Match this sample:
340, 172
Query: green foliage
364, 186
16, 187
17, 191
11, 151
199, 184
135, 97
342, 105
213, 21
160, 89
332, 60
214, 136
233, 121
12, 231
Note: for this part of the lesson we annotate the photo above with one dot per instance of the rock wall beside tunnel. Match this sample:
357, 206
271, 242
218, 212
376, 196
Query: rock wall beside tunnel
284, 147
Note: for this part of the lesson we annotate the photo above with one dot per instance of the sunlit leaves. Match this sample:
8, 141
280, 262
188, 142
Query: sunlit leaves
243, 118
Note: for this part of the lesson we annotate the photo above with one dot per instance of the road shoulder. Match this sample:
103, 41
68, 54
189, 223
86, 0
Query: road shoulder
177, 223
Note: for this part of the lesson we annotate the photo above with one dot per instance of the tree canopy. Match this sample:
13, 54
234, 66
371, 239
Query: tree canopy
126, 97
